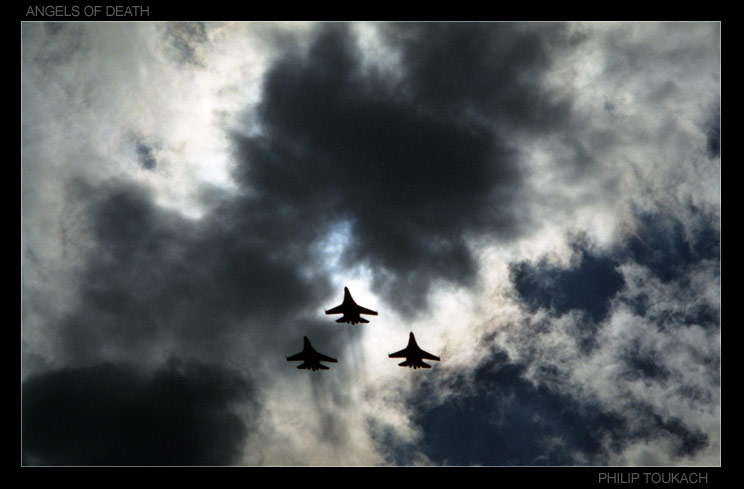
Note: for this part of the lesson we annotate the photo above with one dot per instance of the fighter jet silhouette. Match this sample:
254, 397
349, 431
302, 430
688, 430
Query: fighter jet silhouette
310, 358
413, 355
350, 310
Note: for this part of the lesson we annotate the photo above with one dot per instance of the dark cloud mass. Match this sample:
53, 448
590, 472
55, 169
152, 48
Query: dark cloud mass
115, 414
344, 144
157, 278
494, 70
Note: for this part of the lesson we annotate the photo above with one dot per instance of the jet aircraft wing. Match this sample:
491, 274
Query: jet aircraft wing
324, 358
336, 310
297, 357
364, 310
428, 356
399, 354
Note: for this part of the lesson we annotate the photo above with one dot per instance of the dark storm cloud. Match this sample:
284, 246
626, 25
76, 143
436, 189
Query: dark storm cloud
494, 70
156, 279
412, 175
114, 414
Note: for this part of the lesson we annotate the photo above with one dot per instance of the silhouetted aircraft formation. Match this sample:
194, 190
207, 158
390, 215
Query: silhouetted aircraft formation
350, 312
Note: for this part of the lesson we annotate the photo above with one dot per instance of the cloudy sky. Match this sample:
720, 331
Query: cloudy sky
539, 203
